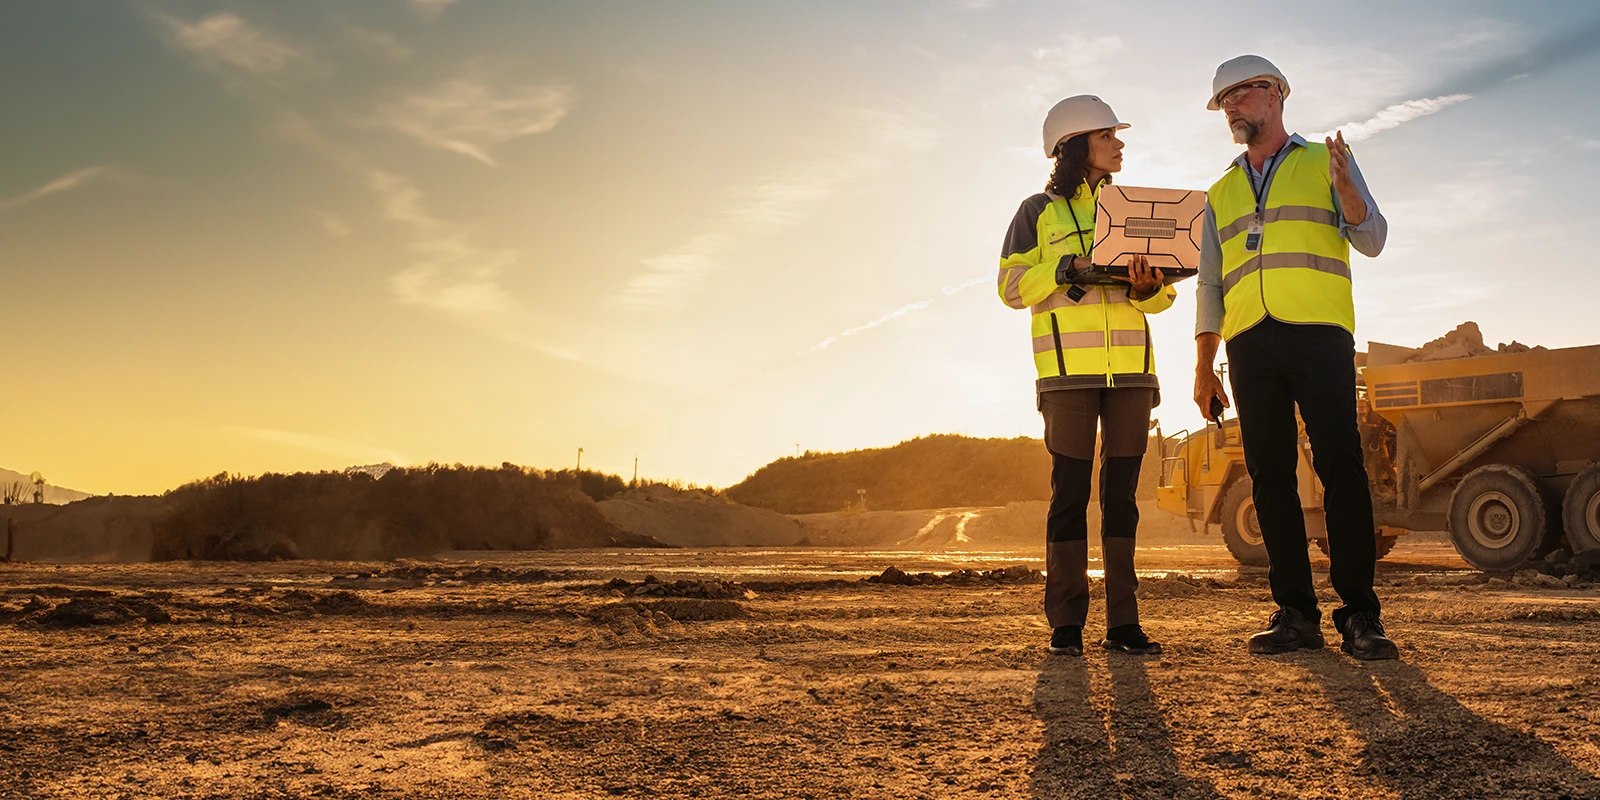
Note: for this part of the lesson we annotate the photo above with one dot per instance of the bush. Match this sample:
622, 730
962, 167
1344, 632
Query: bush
407, 512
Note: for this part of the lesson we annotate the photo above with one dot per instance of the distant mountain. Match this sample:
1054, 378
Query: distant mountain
52, 494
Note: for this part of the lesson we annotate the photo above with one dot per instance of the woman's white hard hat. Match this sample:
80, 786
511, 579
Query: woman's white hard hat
1244, 69
1074, 115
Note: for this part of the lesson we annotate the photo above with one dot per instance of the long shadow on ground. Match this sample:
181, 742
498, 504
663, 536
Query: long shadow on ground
1123, 750
1422, 742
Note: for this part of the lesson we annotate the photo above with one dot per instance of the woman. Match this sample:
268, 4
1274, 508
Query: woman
1092, 349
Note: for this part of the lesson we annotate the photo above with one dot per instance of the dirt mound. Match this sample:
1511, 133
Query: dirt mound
341, 601
87, 611
98, 529
1003, 576
1466, 341
307, 710
692, 518
663, 616
429, 573
1175, 584
651, 585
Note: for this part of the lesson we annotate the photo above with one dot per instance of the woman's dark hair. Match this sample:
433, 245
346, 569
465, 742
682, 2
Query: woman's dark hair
1072, 167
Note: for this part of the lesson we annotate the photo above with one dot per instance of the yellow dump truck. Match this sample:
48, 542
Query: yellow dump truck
1500, 450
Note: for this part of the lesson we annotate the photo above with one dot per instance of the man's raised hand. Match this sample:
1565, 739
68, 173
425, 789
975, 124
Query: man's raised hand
1350, 199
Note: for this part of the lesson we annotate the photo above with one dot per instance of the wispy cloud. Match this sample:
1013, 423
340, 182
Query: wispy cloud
947, 291
381, 42
224, 38
451, 274
467, 116
327, 445
432, 8
1394, 116
1033, 78
65, 183
331, 224
778, 202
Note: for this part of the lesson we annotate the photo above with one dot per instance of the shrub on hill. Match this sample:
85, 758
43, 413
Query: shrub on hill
407, 512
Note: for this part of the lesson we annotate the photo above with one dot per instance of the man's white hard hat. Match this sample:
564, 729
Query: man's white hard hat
1244, 69
1074, 115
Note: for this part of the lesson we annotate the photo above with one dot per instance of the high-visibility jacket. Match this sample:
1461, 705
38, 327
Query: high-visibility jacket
1100, 340
1300, 272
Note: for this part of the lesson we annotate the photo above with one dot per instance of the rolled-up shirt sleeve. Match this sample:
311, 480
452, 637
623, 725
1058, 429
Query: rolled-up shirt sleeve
1369, 237
1208, 288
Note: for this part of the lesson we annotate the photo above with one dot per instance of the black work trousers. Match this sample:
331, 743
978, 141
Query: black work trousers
1274, 367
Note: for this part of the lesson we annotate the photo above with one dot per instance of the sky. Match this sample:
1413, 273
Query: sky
251, 237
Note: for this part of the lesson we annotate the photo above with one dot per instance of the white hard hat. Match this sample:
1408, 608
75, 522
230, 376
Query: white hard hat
1074, 115
1244, 69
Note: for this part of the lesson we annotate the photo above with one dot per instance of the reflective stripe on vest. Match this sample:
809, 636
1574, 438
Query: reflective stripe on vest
1103, 339
1301, 273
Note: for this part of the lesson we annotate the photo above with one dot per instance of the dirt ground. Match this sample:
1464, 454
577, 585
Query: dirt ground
772, 673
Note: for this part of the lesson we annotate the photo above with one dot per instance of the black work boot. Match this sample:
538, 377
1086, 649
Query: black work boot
1130, 639
1287, 630
1364, 639
1067, 640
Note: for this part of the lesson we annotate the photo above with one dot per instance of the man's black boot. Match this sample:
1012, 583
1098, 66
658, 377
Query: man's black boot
1364, 639
1287, 630
1067, 640
1130, 639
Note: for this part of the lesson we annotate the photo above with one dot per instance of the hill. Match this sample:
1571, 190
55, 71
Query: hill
94, 529
57, 495
693, 518
408, 512
938, 471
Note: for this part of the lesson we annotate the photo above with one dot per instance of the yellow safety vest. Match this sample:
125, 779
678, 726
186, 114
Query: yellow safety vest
1301, 271
1100, 340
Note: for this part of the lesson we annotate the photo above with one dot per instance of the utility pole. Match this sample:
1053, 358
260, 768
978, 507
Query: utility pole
796, 449
580, 459
635, 468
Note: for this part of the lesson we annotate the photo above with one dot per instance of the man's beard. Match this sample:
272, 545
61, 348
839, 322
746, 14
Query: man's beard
1246, 132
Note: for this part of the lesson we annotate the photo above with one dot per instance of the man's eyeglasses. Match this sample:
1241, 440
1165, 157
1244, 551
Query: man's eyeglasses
1237, 93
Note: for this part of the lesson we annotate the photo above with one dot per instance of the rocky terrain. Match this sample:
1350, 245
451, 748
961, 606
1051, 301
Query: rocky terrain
812, 672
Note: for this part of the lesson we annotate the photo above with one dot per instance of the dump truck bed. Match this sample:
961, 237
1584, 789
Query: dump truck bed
1447, 406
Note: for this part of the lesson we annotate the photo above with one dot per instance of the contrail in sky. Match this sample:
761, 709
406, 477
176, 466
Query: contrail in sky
895, 314
1542, 57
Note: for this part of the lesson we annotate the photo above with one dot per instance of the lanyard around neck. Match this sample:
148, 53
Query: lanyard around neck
1077, 226
1266, 179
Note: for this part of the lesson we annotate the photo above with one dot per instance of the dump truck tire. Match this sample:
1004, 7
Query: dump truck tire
1580, 511
1498, 518
1241, 530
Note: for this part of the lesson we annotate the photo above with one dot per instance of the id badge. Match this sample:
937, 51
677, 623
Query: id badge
1252, 238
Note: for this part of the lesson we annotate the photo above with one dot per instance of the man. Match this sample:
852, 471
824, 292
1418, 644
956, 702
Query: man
1275, 285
